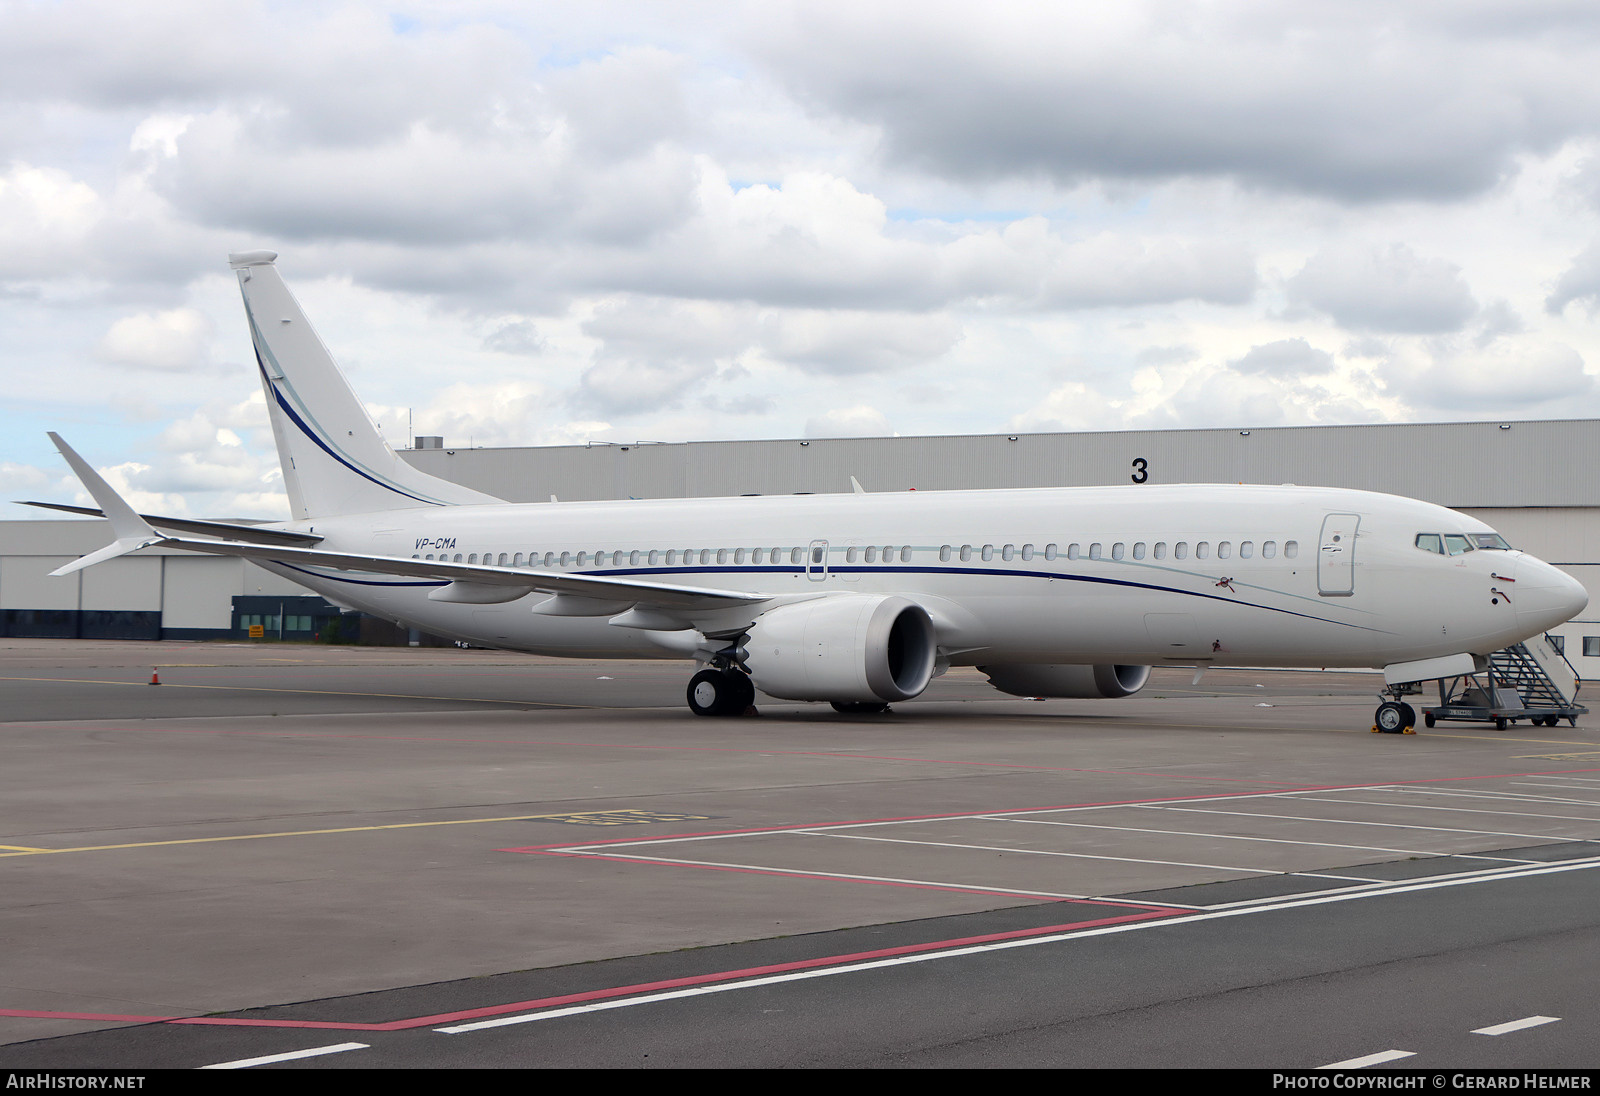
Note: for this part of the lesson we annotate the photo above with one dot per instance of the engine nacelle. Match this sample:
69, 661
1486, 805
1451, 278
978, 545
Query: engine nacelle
1080, 682
847, 647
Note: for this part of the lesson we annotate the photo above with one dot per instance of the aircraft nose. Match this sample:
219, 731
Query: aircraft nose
1546, 596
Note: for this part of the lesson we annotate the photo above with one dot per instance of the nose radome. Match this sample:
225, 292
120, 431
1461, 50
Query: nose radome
1546, 596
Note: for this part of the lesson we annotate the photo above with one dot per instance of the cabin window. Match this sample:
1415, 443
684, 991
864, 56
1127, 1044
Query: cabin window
1431, 542
1160, 550
1138, 549
1117, 550
503, 558
1094, 550
988, 552
944, 553
1050, 551
1073, 551
1202, 550
798, 555
672, 556
1455, 544
1007, 553
566, 559
1180, 550
905, 553
1224, 549
755, 555
1291, 549
583, 559
1027, 551
430, 555
1269, 548
722, 555
1246, 549
966, 553
458, 557
738, 555
871, 553
549, 559
473, 558
516, 561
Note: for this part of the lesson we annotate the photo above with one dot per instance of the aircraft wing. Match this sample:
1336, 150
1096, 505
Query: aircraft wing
629, 589
236, 531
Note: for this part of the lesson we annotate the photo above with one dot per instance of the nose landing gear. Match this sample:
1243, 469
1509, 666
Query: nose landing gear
1394, 717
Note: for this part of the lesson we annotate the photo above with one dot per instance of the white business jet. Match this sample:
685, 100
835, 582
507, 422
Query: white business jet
861, 599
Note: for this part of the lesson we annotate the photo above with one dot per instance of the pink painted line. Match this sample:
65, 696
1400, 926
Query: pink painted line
615, 992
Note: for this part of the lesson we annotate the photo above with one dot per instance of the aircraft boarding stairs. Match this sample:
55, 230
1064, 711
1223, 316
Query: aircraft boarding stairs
1530, 680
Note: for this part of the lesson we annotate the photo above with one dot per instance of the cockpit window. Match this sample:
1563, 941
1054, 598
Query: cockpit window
1430, 542
1489, 540
1455, 544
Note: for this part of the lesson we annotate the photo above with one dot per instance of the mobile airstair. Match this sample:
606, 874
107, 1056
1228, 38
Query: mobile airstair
1531, 680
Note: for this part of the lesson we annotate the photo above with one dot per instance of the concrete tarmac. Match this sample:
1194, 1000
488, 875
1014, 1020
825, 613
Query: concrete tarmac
277, 824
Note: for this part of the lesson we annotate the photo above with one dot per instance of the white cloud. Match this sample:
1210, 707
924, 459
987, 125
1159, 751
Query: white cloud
860, 421
1518, 376
678, 221
1384, 289
175, 341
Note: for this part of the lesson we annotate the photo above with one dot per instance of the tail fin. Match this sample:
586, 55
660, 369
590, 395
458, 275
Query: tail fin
335, 461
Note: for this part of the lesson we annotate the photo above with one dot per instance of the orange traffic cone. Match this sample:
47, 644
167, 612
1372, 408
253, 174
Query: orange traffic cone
155, 678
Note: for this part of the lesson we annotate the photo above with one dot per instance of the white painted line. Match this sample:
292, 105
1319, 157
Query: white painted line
1211, 836
1509, 797
246, 1063
1516, 1025
1371, 1059
810, 873
1243, 910
1462, 810
1220, 798
1380, 825
1047, 852
1553, 784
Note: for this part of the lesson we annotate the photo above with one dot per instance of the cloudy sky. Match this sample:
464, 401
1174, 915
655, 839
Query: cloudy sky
539, 223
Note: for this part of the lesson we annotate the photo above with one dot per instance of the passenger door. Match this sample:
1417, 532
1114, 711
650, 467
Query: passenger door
1336, 555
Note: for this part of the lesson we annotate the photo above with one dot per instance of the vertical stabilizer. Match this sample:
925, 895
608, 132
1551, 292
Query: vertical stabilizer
335, 460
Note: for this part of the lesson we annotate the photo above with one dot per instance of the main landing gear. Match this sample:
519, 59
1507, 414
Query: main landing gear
720, 691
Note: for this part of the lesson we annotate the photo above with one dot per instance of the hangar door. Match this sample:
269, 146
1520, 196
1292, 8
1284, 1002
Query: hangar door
1336, 555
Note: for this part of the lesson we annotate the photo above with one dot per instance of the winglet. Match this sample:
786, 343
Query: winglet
132, 531
855, 485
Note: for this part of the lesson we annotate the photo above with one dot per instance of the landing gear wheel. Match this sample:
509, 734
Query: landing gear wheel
1391, 717
1410, 714
859, 707
720, 692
